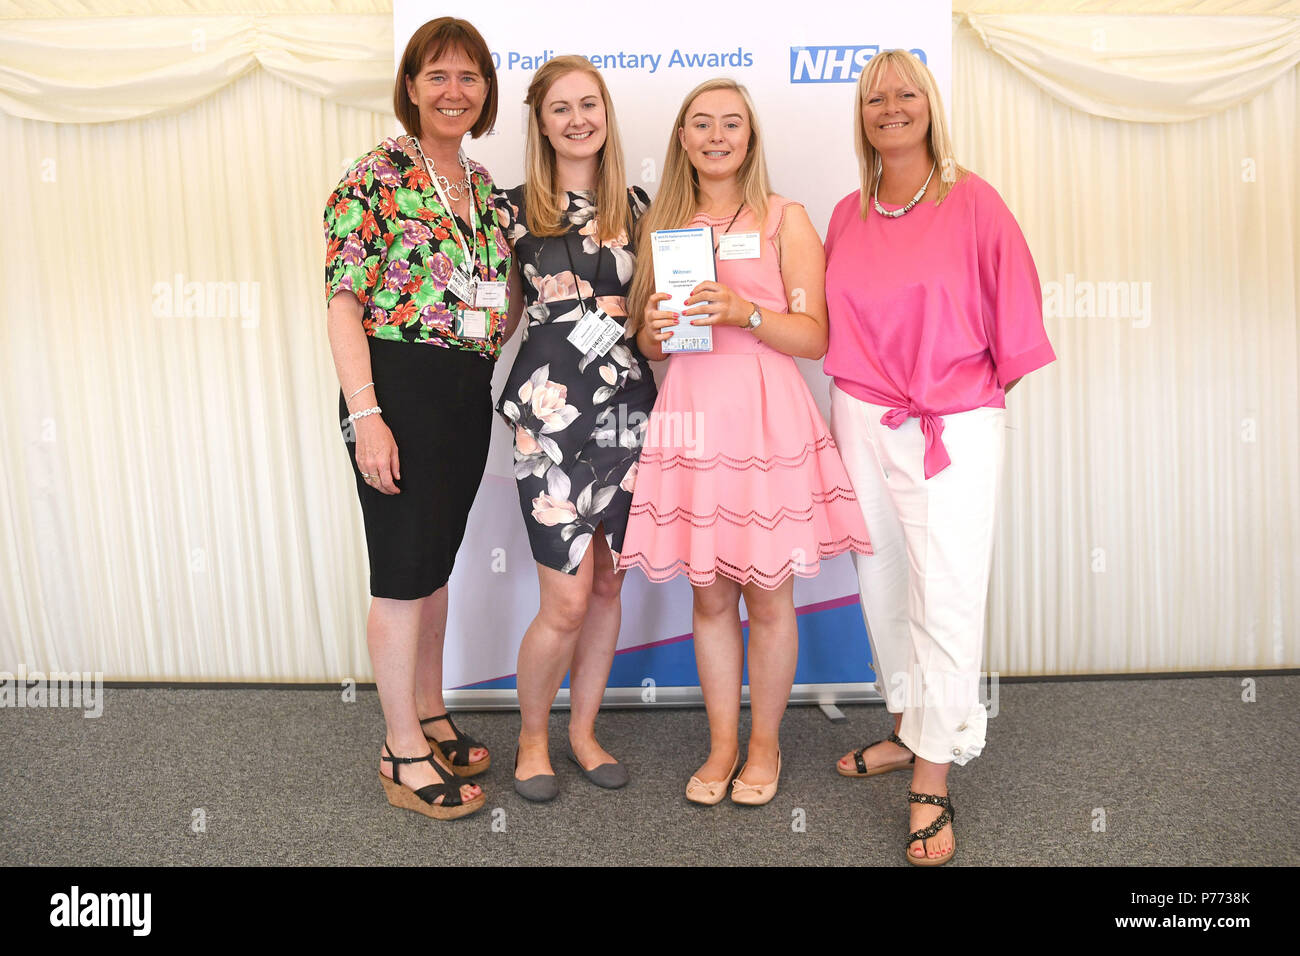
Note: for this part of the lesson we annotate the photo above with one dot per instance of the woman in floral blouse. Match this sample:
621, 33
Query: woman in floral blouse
577, 399
416, 270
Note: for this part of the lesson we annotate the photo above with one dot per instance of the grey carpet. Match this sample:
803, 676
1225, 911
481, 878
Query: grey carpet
1185, 772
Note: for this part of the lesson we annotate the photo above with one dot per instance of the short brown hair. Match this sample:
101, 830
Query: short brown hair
433, 40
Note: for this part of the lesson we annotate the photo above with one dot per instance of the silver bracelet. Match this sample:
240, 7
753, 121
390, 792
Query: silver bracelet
363, 413
359, 391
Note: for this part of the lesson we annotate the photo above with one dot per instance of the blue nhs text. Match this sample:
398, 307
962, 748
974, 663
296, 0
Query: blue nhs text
832, 64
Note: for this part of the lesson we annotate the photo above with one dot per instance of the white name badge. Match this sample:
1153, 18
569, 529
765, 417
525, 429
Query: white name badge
595, 332
739, 245
490, 295
461, 286
472, 324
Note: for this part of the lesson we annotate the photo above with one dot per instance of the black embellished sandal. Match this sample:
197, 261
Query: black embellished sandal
865, 771
941, 821
422, 800
455, 752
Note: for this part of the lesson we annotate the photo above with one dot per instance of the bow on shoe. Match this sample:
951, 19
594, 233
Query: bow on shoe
710, 788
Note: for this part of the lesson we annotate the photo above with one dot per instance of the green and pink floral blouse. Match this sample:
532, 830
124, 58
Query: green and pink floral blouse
389, 241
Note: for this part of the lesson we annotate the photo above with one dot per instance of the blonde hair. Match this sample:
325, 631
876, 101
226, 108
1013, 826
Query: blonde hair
678, 199
938, 142
545, 205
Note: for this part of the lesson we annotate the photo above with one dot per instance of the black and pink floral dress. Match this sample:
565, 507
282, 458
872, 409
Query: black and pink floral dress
579, 420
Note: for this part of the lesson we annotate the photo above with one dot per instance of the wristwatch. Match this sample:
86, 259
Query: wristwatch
755, 319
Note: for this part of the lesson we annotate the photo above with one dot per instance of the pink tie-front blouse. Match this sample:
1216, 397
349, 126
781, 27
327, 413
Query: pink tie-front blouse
934, 312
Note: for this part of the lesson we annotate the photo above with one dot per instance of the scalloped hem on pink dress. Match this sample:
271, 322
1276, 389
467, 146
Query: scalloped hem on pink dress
756, 517
739, 474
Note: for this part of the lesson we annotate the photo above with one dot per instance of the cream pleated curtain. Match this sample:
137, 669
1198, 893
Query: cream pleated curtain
174, 498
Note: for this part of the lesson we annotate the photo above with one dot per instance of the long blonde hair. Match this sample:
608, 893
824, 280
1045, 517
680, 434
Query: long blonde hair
938, 142
678, 198
543, 201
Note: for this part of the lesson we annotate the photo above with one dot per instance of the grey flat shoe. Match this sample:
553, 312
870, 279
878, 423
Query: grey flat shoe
611, 776
539, 788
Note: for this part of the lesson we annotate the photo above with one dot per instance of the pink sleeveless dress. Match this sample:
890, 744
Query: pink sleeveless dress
739, 475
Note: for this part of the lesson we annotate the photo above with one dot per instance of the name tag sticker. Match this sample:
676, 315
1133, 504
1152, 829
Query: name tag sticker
595, 332
461, 286
473, 324
491, 295
739, 245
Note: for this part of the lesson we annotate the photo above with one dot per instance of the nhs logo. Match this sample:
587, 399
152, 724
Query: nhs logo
832, 64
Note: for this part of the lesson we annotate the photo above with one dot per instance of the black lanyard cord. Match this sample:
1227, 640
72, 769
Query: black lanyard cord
577, 281
728, 229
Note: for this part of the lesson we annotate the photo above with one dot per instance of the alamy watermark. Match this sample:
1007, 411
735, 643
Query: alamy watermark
1085, 299
128, 910
82, 690
179, 299
944, 689
670, 430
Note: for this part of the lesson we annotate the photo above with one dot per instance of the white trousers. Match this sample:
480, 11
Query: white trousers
925, 588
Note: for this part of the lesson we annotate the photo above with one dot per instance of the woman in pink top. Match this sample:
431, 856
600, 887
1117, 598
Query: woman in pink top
739, 485
935, 313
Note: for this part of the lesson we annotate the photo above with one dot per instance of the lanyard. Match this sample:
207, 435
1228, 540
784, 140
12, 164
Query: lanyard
728, 229
577, 283
471, 250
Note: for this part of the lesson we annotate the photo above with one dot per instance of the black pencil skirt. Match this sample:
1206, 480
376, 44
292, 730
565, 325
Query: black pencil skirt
438, 404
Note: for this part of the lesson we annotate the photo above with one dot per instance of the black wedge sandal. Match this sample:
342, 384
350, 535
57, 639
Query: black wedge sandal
455, 752
422, 800
864, 771
941, 821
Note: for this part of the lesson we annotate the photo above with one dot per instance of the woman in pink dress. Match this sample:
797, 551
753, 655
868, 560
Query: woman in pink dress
935, 313
739, 485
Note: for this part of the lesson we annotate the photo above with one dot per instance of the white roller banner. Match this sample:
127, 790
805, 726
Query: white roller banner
799, 62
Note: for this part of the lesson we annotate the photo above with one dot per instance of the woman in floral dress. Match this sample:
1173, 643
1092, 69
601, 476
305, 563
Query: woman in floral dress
578, 411
415, 268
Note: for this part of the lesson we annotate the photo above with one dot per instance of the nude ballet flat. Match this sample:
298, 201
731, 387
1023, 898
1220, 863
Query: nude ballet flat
754, 795
697, 791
